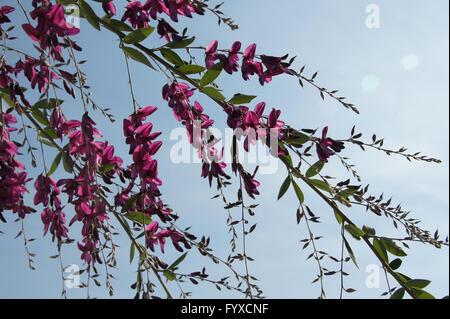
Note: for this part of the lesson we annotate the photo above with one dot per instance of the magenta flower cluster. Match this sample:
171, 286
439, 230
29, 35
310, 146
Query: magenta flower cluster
12, 181
53, 217
138, 14
143, 147
83, 190
51, 25
273, 65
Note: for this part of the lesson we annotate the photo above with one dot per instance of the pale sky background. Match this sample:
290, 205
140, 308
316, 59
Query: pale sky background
398, 77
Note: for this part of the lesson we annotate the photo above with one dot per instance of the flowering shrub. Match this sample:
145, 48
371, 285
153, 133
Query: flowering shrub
138, 205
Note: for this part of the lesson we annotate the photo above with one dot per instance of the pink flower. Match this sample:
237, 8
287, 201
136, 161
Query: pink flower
327, 146
178, 95
168, 32
109, 7
55, 221
137, 15
12, 183
251, 185
249, 67
275, 66
211, 54
51, 25
45, 186
3, 12
154, 7
179, 7
214, 169
231, 62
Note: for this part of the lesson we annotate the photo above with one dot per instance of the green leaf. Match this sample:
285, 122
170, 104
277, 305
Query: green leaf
139, 218
68, 163
117, 24
302, 138
107, 168
320, 184
418, 283
169, 275
212, 74
346, 193
48, 103
180, 44
191, 69
350, 252
381, 249
7, 99
137, 56
402, 277
132, 251
213, 93
89, 14
66, 2
315, 169
369, 230
55, 164
286, 159
395, 264
284, 187
422, 294
241, 99
46, 142
50, 132
172, 57
130, 202
393, 248
398, 294
178, 261
39, 116
138, 35
354, 231
338, 217
298, 191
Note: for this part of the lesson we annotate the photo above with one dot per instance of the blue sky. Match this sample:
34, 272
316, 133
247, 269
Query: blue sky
404, 63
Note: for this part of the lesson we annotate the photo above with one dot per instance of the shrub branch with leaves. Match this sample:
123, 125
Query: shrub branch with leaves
92, 167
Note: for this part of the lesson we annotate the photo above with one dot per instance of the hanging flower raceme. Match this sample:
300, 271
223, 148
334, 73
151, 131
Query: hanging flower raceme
83, 190
327, 146
178, 94
12, 182
53, 217
143, 147
51, 25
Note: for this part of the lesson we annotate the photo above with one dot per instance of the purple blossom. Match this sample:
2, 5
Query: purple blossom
137, 15
109, 7
327, 146
3, 12
250, 67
